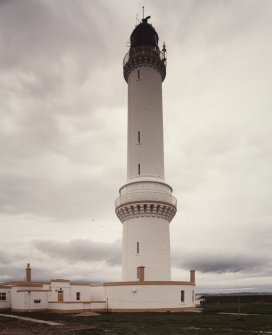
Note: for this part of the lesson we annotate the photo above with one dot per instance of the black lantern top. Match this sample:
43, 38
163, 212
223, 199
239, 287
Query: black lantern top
144, 34
144, 50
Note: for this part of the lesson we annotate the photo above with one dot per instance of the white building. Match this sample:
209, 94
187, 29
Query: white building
63, 296
145, 207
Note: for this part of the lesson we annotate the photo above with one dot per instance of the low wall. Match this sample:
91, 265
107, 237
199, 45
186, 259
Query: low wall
76, 307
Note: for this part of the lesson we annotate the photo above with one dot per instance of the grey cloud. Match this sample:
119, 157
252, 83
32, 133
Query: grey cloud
4, 258
211, 23
81, 251
67, 201
40, 31
41, 272
17, 273
215, 262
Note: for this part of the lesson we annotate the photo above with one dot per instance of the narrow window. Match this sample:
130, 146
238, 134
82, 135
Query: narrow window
138, 247
139, 137
193, 296
138, 75
139, 169
182, 295
3, 296
78, 296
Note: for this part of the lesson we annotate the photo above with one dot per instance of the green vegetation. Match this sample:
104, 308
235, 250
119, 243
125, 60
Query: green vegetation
250, 308
177, 323
207, 323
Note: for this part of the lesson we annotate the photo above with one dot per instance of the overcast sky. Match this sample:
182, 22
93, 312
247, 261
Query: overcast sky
63, 109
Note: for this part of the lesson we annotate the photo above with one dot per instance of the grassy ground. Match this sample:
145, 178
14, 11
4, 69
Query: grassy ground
207, 323
252, 308
173, 324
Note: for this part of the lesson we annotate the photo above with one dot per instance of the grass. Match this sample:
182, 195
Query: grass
251, 308
178, 323
207, 323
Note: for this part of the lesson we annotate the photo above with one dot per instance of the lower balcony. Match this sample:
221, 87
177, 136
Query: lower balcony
145, 196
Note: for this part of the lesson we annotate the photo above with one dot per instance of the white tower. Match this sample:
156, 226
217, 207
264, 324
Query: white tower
145, 205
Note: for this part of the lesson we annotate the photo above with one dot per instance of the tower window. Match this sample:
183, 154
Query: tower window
138, 248
139, 169
182, 295
138, 75
139, 137
77, 295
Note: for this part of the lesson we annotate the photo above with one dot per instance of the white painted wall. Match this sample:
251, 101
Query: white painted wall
23, 299
69, 291
5, 303
85, 292
149, 296
133, 296
154, 248
97, 293
73, 306
145, 115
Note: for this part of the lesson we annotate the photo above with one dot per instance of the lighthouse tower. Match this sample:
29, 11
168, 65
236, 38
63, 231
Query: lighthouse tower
145, 205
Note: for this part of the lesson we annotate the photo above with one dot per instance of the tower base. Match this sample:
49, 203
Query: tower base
150, 296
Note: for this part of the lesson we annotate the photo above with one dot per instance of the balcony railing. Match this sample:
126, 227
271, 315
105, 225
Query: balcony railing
146, 196
146, 51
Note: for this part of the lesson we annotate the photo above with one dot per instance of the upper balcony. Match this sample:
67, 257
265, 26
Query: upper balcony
144, 55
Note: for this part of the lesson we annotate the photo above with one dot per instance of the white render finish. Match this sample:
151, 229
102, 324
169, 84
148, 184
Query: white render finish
145, 116
5, 304
120, 296
145, 205
154, 248
25, 298
31, 296
149, 297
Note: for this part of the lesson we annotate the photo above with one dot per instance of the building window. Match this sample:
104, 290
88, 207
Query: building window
193, 296
138, 248
139, 137
37, 301
139, 169
182, 295
78, 296
138, 75
3, 296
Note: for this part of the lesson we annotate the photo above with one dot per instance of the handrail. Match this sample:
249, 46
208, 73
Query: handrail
144, 50
146, 195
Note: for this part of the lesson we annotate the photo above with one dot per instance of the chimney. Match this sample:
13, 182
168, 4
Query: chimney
28, 273
192, 277
140, 273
